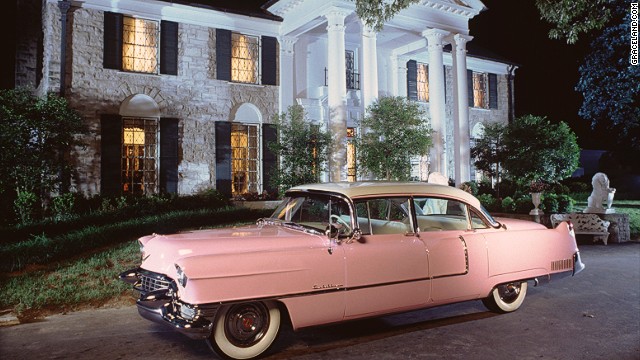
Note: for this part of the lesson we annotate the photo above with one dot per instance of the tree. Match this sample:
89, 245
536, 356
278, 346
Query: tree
36, 137
608, 82
303, 149
538, 150
573, 18
376, 12
394, 130
489, 150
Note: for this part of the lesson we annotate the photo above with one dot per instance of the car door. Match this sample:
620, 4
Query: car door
387, 269
456, 250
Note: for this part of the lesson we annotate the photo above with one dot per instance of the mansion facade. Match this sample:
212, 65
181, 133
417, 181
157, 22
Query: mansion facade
181, 97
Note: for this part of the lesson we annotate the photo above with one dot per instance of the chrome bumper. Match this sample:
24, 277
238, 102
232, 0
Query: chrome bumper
578, 266
161, 312
161, 305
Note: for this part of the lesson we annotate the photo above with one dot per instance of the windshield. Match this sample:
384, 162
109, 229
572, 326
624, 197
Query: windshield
314, 211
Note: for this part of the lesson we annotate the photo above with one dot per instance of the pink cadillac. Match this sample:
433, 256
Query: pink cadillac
343, 251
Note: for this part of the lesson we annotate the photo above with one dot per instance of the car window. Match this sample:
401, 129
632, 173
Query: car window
314, 211
384, 216
437, 214
477, 222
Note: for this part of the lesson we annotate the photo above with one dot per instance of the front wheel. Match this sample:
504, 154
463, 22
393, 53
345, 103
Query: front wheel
506, 297
244, 331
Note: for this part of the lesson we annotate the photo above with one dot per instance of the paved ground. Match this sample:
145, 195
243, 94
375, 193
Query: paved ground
595, 315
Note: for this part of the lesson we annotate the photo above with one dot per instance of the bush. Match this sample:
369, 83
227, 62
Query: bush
25, 205
471, 187
489, 202
565, 203
62, 206
550, 203
524, 204
484, 187
508, 205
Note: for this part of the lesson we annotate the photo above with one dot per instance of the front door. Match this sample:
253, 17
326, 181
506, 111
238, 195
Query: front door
387, 269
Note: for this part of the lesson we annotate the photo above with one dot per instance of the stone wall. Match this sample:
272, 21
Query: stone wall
194, 96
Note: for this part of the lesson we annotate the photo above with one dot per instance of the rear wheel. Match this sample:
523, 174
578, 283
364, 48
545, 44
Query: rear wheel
244, 331
506, 297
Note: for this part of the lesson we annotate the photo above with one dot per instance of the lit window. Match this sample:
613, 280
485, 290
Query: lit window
351, 155
139, 154
245, 55
480, 99
244, 158
140, 45
423, 82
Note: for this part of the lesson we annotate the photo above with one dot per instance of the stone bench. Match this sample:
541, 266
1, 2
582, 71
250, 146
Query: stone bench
585, 224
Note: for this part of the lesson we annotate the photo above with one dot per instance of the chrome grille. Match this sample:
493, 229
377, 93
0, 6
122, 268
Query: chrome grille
152, 282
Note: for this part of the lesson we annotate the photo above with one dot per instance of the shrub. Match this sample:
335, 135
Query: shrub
489, 202
508, 205
25, 205
523, 204
62, 206
565, 203
471, 187
550, 203
485, 187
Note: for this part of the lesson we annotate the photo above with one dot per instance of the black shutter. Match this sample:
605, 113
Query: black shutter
223, 157
493, 91
223, 54
470, 86
169, 155
412, 80
269, 157
269, 60
110, 154
112, 57
169, 48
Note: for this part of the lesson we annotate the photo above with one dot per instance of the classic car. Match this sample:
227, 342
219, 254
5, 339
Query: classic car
341, 251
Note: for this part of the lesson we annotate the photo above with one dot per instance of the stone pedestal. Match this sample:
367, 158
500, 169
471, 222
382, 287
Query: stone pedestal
619, 229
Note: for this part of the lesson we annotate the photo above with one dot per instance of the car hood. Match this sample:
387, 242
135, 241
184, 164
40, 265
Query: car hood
162, 252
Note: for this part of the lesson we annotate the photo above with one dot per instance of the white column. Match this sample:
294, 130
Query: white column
287, 74
437, 99
369, 78
461, 136
337, 83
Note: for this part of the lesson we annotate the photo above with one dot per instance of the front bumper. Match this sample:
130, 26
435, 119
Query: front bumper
163, 306
162, 312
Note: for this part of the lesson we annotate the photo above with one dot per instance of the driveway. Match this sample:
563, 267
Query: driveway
595, 315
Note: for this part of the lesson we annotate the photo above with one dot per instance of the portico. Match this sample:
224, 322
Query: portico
326, 33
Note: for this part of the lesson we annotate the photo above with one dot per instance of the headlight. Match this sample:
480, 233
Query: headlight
182, 278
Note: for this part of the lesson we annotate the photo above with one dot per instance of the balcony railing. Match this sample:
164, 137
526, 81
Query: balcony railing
353, 79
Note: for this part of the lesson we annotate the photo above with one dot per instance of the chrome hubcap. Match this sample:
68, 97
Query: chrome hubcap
246, 324
510, 292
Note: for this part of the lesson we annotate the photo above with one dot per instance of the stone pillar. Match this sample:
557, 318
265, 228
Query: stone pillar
287, 78
369, 78
437, 99
337, 83
461, 135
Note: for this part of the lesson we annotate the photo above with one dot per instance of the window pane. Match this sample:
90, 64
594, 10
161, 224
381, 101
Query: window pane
480, 90
434, 214
140, 45
384, 216
423, 82
245, 52
139, 152
244, 159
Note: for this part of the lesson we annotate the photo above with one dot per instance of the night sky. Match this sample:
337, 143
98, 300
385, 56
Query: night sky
548, 69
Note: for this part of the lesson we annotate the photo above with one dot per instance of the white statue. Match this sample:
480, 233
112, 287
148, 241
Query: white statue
437, 178
601, 193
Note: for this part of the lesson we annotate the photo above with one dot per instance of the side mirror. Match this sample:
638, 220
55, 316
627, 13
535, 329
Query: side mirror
332, 232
